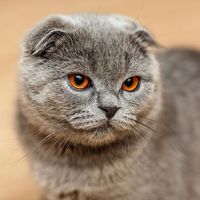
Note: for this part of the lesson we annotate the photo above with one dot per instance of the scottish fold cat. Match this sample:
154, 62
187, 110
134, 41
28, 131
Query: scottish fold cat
101, 116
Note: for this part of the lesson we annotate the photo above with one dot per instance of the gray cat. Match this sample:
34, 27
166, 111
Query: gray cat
102, 117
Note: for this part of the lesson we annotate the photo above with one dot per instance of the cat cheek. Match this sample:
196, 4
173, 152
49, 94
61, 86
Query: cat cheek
77, 97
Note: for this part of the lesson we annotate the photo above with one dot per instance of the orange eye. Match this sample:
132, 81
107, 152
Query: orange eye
78, 81
131, 84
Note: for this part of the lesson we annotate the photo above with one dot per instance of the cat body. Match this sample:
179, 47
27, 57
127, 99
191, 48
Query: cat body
148, 148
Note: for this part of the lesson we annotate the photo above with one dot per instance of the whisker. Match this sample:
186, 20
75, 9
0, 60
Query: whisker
43, 141
165, 126
142, 135
65, 146
145, 125
56, 143
139, 133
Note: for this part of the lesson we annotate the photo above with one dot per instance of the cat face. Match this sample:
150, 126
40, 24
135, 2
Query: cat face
89, 78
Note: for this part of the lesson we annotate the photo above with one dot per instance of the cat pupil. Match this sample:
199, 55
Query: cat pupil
129, 82
78, 79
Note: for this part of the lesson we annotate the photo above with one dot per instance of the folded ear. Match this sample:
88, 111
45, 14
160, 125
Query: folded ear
49, 43
143, 38
47, 36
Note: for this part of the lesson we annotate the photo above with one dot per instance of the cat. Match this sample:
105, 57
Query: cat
104, 113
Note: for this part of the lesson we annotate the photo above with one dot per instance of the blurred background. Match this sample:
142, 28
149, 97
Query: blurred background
174, 23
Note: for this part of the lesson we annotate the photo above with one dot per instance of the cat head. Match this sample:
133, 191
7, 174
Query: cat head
88, 78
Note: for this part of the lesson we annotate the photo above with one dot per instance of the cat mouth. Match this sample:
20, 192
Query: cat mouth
110, 126
103, 133
106, 127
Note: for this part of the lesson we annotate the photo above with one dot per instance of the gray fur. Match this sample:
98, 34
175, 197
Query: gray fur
150, 151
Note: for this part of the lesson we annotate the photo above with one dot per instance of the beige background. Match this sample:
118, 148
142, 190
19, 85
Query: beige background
173, 22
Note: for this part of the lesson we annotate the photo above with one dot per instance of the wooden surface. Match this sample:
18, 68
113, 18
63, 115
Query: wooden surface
172, 22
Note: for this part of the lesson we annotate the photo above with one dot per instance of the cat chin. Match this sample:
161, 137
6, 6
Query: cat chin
105, 126
100, 139
104, 134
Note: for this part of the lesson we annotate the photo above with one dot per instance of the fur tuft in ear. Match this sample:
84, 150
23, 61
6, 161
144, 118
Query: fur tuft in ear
49, 43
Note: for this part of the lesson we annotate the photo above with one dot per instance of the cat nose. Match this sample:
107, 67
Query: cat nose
109, 111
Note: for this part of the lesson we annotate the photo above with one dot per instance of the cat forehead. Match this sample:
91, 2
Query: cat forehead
114, 21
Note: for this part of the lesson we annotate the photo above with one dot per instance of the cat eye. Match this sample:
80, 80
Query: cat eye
79, 82
131, 84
